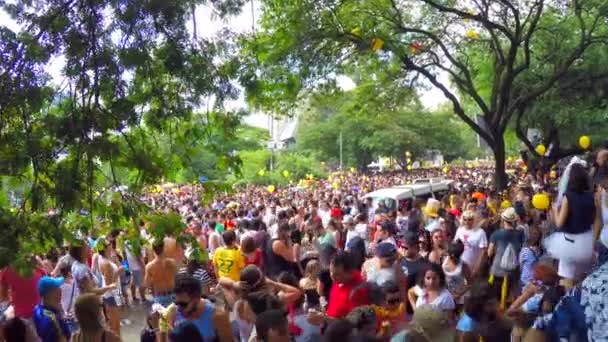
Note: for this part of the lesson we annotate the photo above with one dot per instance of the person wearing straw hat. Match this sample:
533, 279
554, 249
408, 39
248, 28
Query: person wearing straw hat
505, 245
431, 213
427, 325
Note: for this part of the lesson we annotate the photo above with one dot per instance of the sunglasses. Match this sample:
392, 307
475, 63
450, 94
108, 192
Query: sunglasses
182, 304
393, 301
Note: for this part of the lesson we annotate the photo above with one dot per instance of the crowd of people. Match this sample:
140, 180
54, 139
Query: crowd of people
319, 262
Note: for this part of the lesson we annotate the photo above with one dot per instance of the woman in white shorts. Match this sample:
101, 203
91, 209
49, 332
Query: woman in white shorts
574, 216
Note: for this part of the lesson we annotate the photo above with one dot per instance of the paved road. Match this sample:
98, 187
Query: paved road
137, 315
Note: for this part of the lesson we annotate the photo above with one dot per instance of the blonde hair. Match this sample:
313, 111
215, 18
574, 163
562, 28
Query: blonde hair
312, 269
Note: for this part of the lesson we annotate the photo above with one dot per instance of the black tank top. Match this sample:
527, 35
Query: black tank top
312, 297
274, 263
581, 212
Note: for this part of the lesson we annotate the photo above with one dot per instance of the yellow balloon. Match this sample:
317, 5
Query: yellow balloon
505, 204
408, 154
341, 177
409, 167
271, 188
335, 185
553, 174
353, 170
377, 44
471, 34
445, 169
262, 172
541, 201
584, 142
541, 149
286, 174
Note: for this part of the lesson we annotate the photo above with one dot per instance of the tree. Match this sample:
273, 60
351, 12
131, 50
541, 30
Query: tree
374, 123
132, 72
576, 107
302, 43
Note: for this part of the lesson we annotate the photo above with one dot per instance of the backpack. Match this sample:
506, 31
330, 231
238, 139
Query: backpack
509, 260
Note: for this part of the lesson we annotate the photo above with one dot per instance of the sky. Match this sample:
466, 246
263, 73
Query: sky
208, 25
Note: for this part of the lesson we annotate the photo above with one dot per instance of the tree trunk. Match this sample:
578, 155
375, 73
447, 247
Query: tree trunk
500, 175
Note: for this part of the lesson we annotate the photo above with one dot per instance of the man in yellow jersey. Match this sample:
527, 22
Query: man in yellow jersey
229, 260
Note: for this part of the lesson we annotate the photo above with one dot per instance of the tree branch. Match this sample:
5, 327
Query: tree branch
528, 36
465, 15
519, 131
462, 68
409, 65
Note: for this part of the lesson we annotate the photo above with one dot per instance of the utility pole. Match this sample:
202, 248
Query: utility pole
341, 154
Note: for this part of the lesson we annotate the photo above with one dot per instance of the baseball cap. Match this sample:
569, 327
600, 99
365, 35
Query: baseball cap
47, 284
386, 250
336, 212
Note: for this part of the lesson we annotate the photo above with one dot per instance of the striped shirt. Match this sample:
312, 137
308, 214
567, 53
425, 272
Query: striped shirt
201, 275
527, 259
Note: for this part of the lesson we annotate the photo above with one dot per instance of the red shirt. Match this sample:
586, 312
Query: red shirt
342, 298
24, 292
255, 260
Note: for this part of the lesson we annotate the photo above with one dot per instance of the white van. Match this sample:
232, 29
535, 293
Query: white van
424, 188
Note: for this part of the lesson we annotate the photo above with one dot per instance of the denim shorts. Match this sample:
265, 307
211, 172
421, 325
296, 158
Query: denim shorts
110, 301
165, 300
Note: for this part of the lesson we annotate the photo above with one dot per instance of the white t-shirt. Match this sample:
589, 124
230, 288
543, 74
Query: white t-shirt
474, 240
325, 216
134, 264
215, 242
432, 225
359, 230
443, 302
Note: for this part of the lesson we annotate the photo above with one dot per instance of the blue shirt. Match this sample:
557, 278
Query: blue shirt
204, 323
49, 323
466, 324
566, 320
